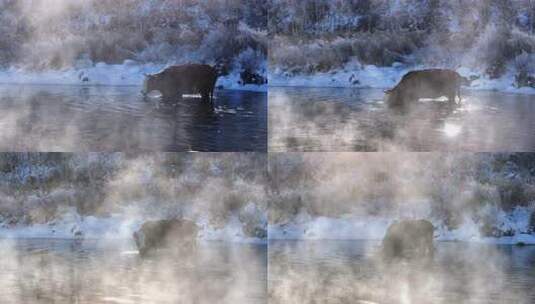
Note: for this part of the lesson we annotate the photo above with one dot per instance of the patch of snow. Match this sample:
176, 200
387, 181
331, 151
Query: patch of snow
129, 73
305, 227
115, 227
351, 227
467, 232
231, 232
73, 226
232, 82
370, 76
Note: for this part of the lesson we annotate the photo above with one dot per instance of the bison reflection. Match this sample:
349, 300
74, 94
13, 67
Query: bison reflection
175, 81
410, 239
432, 83
180, 235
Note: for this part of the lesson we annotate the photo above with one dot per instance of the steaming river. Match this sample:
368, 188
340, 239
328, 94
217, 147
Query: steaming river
73, 118
327, 119
349, 272
62, 271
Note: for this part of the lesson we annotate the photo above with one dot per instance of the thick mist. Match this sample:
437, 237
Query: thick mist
361, 120
350, 272
224, 193
329, 212
67, 222
490, 38
466, 196
58, 35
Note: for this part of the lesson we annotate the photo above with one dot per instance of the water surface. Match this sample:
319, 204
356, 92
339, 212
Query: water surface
73, 118
352, 272
336, 119
64, 271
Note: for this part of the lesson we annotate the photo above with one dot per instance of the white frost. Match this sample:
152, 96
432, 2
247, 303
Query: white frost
370, 76
374, 228
127, 74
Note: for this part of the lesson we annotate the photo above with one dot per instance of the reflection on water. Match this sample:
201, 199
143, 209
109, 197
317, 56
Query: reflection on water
70, 118
350, 271
334, 119
62, 271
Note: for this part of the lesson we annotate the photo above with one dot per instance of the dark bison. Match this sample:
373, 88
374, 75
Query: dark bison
172, 234
430, 83
183, 79
409, 239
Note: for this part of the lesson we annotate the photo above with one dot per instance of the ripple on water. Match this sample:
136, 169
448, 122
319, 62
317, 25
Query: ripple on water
65, 271
70, 118
327, 119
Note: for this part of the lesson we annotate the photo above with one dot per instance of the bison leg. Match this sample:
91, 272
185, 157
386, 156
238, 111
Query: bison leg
451, 98
205, 96
171, 94
406, 98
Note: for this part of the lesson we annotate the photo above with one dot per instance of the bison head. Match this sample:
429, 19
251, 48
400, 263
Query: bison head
152, 83
393, 97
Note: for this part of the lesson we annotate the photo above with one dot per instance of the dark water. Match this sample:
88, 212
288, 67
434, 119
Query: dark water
351, 272
327, 119
71, 118
61, 271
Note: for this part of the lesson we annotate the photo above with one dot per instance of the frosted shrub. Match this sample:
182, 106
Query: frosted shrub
158, 185
219, 44
251, 60
525, 67
485, 35
383, 48
289, 57
156, 52
162, 31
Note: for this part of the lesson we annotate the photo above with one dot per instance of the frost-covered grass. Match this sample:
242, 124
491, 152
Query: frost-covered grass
477, 197
355, 75
118, 226
329, 43
110, 195
468, 197
129, 73
306, 227
58, 41
351, 227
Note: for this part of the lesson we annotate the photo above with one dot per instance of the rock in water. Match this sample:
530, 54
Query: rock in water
172, 234
409, 239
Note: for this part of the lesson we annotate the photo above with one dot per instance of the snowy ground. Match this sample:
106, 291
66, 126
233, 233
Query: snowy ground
86, 73
352, 75
116, 226
369, 76
305, 227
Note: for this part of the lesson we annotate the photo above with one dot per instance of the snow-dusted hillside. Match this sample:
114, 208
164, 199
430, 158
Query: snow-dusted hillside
111, 195
468, 197
129, 73
115, 42
373, 43
352, 75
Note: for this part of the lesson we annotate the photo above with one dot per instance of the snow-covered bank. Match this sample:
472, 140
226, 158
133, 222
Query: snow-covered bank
304, 227
88, 74
116, 227
72, 226
370, 76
